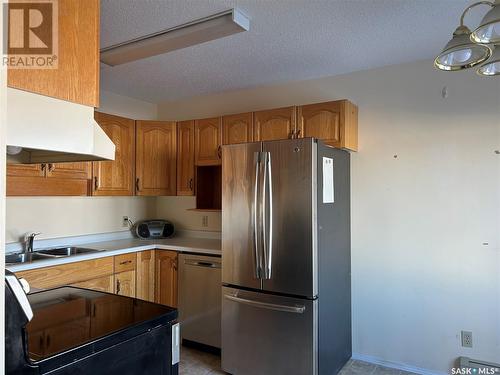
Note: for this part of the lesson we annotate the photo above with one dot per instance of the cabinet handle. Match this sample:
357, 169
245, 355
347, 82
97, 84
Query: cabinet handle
191, 184
93, 312
96, 183
137, 184
292, 134
41, 342
219, 151
126, 262
51, 167
43, 166
297, 133
117, 286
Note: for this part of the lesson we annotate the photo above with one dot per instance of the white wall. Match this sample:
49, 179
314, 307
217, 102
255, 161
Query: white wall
120, 105
425, 224
69, 216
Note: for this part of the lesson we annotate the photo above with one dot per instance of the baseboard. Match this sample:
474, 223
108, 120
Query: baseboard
396, 365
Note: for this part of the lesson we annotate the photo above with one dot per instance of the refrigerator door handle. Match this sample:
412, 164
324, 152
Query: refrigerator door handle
267, 217
297, 309
256, 221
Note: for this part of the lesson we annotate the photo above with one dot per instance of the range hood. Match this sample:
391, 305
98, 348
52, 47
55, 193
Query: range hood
41, 129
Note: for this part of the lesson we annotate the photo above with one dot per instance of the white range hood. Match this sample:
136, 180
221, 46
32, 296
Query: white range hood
43, 129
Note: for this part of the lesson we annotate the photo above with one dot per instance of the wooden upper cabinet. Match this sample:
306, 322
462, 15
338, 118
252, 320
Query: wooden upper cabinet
166, 277
237, 128
76, 78
185, 158
208, 141
26, 170
274, 124
78, 170
116, 177
156, 147
48, 179
334, 122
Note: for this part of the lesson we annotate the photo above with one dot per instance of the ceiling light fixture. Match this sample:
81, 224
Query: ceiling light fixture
467, 49
492, 66
196, 32
488, 30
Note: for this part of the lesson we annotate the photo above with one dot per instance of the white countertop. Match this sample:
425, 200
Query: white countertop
115, 247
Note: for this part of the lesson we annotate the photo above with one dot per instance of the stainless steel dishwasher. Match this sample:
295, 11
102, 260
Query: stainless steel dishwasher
200, 297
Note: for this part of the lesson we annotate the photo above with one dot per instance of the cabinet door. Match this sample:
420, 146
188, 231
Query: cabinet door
116, 177
185, 158
333, 122
67, 335
125, 283
77, 75
166, 277
156, 157
64, 274
145, 288
79, 170
26, 170
237, 128
101, 284
274, 124
208, 141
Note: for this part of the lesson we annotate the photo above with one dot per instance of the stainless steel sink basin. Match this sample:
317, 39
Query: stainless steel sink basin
25, 257
66, 251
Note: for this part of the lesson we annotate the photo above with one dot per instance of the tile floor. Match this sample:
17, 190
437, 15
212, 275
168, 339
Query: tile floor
196, 362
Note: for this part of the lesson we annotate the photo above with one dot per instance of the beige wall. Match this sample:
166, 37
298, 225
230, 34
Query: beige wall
69, 216
72, 216
425, 224
176, 209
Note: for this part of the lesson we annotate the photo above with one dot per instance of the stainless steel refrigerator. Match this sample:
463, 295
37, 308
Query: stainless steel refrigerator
286, 294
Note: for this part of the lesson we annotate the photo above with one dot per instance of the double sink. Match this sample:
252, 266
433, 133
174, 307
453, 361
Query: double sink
58, 252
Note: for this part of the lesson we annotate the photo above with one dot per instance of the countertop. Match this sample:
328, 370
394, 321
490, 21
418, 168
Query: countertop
115, 247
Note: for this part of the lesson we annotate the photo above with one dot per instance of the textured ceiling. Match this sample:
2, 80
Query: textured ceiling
288, 40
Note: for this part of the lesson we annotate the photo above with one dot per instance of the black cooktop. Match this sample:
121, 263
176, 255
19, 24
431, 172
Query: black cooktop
71, 318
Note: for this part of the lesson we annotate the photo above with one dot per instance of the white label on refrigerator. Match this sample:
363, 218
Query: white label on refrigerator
328, 193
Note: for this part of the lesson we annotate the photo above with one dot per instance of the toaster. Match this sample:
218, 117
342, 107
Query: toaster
151, 229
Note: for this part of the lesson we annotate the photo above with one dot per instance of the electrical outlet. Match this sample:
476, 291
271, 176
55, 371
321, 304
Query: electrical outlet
466, 339
204, 221
125, 221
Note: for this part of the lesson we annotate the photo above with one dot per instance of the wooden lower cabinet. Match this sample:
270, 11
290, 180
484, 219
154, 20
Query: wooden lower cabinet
67, 274
145, 275
166, 278
125, 283
149, 275
101, 284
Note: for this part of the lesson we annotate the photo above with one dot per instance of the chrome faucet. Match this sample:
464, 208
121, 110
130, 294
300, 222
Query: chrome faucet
28, 241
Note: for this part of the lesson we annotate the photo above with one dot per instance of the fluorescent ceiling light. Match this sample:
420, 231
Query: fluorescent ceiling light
196, 32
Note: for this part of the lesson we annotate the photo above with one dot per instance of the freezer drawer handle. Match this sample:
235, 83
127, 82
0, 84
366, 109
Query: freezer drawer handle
202, 264
264, 305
